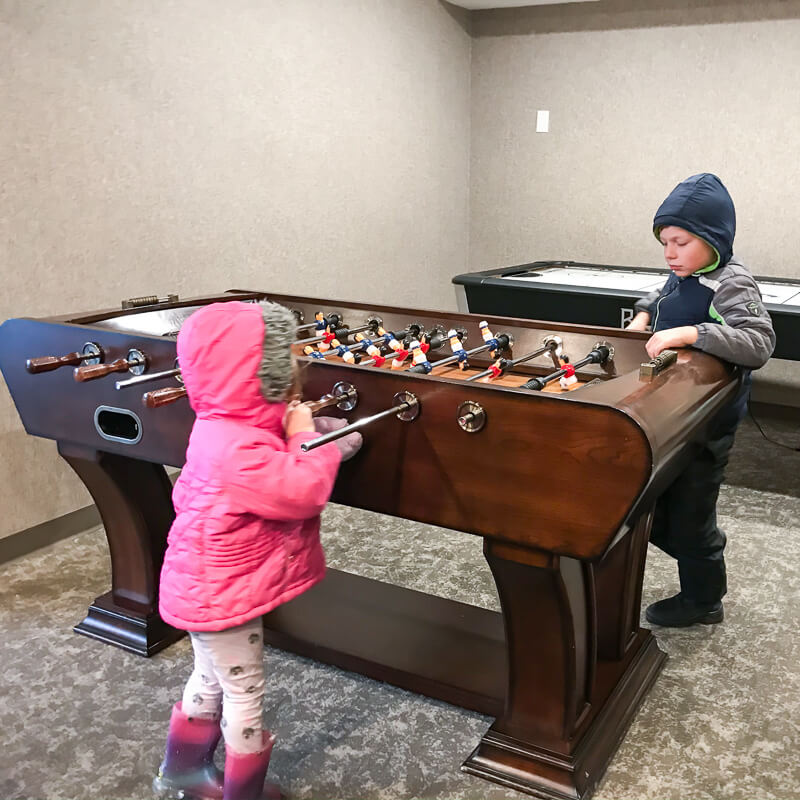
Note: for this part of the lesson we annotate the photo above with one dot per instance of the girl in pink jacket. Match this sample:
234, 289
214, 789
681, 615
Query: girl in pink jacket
245, 538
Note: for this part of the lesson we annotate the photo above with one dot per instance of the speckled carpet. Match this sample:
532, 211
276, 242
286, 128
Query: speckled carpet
85, 721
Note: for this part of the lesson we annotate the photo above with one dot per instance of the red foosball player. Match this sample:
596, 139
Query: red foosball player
488, 338
328, 341
419, 358
458, 349
497, 369
400, 355
569, 378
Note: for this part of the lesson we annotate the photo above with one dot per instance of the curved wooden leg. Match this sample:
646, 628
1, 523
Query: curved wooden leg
567, 704
134, 499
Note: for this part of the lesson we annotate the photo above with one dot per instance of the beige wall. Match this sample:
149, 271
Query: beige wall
639, 98
301, 146
323, 147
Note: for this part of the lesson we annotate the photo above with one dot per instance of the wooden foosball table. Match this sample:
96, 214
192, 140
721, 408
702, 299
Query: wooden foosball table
550, 441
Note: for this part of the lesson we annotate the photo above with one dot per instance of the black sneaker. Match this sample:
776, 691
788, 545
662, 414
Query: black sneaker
680, 611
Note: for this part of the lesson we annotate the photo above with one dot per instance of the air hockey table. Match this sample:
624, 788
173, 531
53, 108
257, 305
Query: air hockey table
599, 294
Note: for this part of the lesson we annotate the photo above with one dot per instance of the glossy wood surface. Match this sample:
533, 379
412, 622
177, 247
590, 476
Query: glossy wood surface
560, 485
558, 471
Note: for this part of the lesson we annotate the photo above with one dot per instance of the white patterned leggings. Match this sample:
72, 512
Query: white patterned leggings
228, 679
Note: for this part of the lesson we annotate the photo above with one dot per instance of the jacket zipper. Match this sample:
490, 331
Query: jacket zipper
658, 307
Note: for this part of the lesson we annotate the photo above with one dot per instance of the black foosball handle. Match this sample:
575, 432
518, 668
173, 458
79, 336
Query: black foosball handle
599, 355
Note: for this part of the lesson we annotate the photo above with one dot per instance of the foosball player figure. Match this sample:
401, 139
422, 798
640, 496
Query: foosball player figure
425, 339
569, 378
400, 355
497, 369
458, 349
419, 358
308, 350
343, 351
368, 346
389, 338
328, 340
488, 338
320, 323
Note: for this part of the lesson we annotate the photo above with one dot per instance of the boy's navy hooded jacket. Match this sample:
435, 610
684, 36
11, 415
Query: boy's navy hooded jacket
721, 300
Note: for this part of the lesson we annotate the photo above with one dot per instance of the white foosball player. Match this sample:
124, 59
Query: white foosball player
569, 378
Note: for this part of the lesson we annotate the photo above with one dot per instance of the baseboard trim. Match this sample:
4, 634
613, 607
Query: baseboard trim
54, 530
776, 412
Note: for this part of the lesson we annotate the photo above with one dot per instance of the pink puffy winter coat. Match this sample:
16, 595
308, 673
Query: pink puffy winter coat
246, 533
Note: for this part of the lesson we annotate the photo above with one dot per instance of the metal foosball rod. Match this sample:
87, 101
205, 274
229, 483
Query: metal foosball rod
503, 343
551, 345
395, 342
91, 353
406, 408
343, 333
364, 344
343, 395
601, 353
435, 339
385, 339
341, 350
332, 320
135, 363
153, 376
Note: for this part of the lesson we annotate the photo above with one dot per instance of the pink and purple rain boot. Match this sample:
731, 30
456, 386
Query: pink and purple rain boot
188, 771
245, 773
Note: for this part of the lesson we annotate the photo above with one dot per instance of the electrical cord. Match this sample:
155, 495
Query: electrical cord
761, 431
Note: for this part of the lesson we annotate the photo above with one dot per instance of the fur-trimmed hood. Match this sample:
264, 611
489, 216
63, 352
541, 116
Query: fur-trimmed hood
235, 360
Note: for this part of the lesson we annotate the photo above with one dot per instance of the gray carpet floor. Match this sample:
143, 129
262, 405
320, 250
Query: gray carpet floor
84, 721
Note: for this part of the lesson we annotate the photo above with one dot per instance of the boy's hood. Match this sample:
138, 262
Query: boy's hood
701, 205
220, 349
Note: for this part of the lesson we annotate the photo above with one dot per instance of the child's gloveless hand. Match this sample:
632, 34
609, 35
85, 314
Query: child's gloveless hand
685, 336
297, 419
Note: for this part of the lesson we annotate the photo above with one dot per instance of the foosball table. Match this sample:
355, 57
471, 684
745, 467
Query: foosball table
551, 441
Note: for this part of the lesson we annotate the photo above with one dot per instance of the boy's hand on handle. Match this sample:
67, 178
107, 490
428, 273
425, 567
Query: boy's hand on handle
672, 337
297, 419
348, 445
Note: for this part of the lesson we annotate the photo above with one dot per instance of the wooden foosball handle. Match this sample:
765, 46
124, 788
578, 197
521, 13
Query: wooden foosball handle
163, 397
99, 370
48, 363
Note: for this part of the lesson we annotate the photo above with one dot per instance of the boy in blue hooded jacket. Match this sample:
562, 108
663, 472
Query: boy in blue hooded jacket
710, 302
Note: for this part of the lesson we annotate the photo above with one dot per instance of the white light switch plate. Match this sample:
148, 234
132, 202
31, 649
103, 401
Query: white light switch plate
542, 121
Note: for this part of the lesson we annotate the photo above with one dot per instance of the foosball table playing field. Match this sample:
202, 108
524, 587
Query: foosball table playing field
551, 441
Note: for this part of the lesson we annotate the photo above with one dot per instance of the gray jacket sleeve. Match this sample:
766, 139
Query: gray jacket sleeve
647, 303
746, 336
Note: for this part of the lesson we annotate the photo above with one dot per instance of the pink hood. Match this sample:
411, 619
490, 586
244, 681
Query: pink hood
246, 532
219, 352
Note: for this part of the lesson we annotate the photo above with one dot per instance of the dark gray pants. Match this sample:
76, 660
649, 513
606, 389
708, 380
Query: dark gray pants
685, 522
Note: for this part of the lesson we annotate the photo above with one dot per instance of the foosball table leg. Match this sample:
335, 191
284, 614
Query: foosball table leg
135, 505
571, 694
